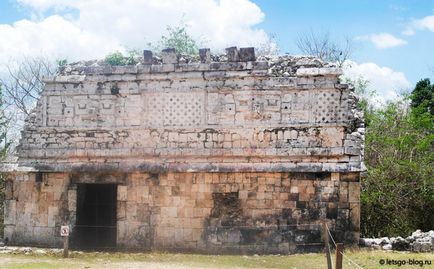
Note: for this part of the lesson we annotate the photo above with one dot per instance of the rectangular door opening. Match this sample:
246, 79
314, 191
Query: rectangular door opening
96, 217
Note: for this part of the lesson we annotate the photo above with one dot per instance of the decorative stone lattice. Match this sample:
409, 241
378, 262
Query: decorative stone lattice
330, 107
174, 109
183, 109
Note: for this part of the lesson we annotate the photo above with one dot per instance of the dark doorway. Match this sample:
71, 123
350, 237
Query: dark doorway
96, 216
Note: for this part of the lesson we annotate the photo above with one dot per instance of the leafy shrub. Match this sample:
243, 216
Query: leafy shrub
178, 38
398, 192
423, 96
117, 58
61, 62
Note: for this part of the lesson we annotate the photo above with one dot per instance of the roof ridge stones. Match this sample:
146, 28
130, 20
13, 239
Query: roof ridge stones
234, 60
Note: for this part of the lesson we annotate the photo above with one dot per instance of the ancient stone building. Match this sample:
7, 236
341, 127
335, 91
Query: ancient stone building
226, 153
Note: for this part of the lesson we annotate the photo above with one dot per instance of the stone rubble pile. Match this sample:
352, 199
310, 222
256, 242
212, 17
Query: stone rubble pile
417, 242
278, 66
29, 250
286, 65
34, 250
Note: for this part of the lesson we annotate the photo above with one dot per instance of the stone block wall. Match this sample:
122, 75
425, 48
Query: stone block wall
207, 212
34, 211
228, 153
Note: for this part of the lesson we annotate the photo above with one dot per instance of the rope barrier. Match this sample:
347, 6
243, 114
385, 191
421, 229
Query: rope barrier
333, 240
353, 262
343, 255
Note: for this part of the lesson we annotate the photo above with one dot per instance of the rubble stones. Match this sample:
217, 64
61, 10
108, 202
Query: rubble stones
25, 250
422, 245
387, 247
40, 251
277, 66
418, 241
399, 243
32, 250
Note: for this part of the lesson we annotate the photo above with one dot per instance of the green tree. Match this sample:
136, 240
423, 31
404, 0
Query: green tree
398, 191
61, 62
177, 37
422, 96
117, 58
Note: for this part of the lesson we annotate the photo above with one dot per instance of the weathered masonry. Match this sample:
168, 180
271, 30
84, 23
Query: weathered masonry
226, 153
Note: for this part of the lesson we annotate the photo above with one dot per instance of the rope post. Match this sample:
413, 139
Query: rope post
65, 247
327, 246
64, 232
339, 253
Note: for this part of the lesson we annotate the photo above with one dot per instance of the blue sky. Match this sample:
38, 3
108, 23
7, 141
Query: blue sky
393, 40
355, 18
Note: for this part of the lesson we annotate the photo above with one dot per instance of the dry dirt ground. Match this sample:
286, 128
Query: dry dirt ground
154, 260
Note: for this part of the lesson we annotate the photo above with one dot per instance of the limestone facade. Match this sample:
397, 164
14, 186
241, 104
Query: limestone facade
206, 156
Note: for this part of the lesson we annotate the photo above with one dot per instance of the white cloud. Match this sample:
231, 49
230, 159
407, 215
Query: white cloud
52, 36
386, 82
383, 40
92, 28
426, 23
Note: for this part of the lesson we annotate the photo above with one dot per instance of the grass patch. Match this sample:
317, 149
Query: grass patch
32, 265
156, 260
